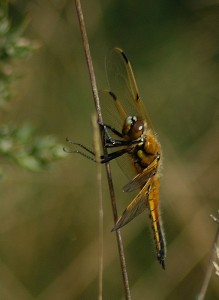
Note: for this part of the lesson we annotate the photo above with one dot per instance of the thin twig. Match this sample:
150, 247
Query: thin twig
210, 266
96, 144
109, 176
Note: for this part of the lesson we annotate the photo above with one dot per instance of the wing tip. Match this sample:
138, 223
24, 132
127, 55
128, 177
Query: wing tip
118, 225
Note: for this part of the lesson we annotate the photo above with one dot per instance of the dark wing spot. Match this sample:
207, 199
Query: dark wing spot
125, 57
113, 95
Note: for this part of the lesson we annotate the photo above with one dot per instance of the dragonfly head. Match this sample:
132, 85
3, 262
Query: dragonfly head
133, 128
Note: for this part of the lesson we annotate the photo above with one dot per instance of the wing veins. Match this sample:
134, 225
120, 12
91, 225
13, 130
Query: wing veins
140, 179
135, 208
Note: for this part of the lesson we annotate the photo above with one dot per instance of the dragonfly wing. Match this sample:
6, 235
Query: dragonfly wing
114, 115
112, 111
118, 81
135, 208
122, 82
140, 179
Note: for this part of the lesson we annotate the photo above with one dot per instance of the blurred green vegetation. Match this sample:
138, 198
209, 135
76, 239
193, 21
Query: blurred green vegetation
18, 143
49, 220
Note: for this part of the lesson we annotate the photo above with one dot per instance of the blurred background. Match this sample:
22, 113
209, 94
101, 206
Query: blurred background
49, 220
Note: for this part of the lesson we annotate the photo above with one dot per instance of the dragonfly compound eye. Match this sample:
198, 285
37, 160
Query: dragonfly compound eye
133, 128
138, 127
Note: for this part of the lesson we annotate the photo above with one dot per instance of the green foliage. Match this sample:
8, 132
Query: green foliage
12, 46
19, 144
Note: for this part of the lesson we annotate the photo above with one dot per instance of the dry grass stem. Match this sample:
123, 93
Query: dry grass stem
97, 151
109, 176
211, 264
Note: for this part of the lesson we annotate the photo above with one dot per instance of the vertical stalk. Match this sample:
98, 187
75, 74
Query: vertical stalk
210, 265
108, 171
97, 151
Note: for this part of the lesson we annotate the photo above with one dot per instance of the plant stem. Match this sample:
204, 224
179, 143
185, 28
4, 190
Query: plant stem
97, 151
108, 171
210, 266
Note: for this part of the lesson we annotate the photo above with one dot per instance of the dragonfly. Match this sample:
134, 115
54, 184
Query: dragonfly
131, 140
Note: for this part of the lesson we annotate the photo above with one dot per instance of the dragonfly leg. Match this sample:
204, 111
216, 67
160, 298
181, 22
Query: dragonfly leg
110, 156
80, 145
110, 142
103, 158
116, 132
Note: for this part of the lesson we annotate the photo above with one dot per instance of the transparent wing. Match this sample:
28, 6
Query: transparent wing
112, 110
135, 208
114, 115
120, 101
122, 82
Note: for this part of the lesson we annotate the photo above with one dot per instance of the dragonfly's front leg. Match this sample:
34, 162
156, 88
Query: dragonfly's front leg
104, 127
110, 142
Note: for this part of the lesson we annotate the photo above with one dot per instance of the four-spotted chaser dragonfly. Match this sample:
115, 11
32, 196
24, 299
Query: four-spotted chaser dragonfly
130, 138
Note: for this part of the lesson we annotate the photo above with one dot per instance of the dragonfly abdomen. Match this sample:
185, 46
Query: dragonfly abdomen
157, 227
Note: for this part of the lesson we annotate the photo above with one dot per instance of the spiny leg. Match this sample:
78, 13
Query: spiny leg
109, 142
103, 158
116, 132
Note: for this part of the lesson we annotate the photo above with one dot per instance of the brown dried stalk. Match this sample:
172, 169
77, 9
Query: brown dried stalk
210, 266
100, 120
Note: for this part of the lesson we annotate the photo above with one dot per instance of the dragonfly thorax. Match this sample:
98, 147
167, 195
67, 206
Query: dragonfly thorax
146, 152
133, 128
